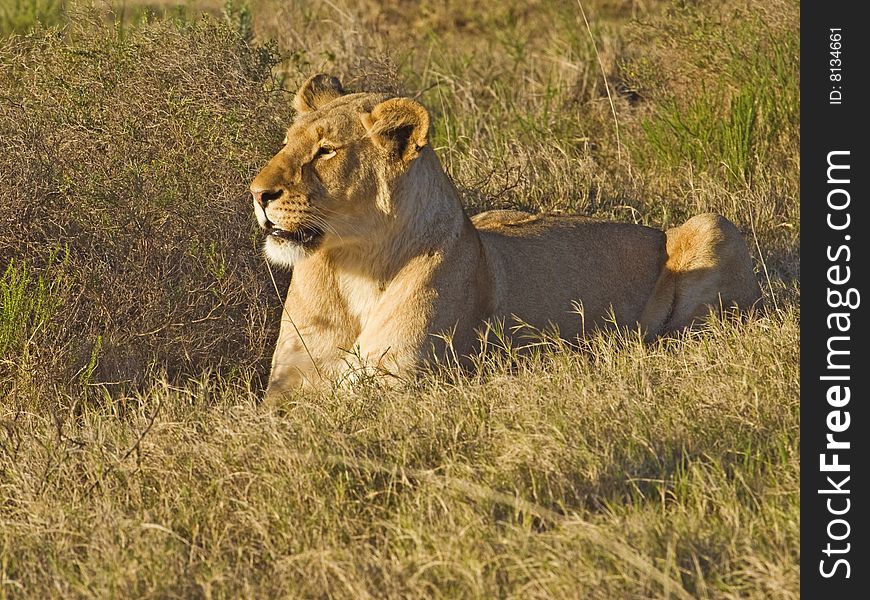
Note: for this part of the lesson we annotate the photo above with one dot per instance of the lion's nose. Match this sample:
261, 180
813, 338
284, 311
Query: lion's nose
264, 196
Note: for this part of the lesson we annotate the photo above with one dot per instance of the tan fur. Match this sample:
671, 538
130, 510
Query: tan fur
708, 268
400, 266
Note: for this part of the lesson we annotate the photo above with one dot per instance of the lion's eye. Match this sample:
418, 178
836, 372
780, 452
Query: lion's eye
325, 152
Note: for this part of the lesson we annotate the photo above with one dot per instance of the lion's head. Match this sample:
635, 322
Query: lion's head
333, 179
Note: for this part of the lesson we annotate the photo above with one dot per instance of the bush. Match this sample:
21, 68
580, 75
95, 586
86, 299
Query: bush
130, 151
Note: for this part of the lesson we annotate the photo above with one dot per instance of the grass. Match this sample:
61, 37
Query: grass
137, 318
21, 16
28, 307
758, 90
593, 476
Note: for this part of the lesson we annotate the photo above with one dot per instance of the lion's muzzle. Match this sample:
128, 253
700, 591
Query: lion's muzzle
307, 236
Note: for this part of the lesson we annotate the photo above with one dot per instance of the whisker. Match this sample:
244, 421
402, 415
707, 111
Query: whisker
328, 223
323, 224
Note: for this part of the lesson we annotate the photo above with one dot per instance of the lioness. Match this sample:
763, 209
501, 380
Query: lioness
386, 262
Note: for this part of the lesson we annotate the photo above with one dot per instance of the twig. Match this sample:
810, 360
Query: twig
606, 83
135, 446
762, 261
289, 318
132, 449
417, 95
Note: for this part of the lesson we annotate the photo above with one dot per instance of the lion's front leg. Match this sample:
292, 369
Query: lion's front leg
309, 351
386, 355
293, 364
393, 342
411, 329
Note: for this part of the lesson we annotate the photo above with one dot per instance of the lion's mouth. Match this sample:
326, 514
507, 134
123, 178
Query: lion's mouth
306, 235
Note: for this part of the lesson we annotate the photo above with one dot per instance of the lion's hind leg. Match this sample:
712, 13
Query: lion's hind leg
708, 268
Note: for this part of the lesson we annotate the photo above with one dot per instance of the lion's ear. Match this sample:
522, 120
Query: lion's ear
316, 91
400, 126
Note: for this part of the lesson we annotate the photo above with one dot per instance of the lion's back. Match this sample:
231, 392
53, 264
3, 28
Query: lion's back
546, 264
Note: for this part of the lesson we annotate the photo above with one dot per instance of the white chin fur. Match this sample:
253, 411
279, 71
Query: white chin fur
283, 254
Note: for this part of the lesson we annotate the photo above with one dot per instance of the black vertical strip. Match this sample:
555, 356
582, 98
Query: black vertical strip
834, 257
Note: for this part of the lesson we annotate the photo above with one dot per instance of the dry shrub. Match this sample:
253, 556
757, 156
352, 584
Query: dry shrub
131, 149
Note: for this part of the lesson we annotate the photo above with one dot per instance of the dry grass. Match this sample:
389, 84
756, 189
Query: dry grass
591, 476
135, 313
